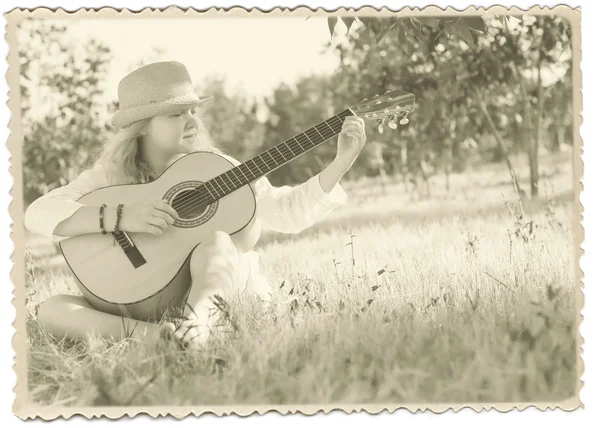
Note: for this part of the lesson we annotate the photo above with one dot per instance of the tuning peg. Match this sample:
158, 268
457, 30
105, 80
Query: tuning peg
392, 123
404, 120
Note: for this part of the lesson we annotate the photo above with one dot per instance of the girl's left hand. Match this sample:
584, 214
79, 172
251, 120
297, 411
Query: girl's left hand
351, 141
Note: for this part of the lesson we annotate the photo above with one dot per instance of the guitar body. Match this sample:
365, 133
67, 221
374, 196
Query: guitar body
152, 273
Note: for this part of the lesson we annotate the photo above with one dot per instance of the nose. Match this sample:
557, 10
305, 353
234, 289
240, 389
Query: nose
192, 120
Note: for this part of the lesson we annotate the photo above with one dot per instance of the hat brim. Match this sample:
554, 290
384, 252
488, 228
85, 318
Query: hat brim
124, 118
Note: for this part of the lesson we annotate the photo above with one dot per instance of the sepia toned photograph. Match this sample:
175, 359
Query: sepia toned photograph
232, 211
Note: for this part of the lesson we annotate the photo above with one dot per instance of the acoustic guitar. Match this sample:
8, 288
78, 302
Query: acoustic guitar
143, 274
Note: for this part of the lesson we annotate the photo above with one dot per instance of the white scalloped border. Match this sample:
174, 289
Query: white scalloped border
25, 410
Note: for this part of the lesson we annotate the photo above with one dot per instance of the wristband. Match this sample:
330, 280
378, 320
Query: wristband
102, 219
119, 212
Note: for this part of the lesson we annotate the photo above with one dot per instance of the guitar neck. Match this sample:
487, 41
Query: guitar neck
275, 157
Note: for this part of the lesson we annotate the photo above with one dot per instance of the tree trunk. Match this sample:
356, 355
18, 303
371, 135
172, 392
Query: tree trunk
404, 165
562, 130
500, 143
425, 175
535, 142
448, 166
535, 147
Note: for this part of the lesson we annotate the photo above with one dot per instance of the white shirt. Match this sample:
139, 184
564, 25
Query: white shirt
286, 209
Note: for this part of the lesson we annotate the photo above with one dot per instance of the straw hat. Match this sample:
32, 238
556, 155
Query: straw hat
153, 89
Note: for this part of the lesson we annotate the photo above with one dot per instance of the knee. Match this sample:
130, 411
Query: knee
220, 241
215, 246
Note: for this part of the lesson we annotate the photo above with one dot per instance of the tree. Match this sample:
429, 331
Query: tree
61, 108
469, 83
408, 30
293, 110
510, 63
367, 70
231, 120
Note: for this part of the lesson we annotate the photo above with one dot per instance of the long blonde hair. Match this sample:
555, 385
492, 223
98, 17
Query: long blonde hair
122, 159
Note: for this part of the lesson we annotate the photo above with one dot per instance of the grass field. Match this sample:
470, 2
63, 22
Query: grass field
448, 300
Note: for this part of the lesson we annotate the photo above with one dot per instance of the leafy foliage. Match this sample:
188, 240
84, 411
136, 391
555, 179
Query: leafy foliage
409, 30
292, 110
231, 120
477, 85
61, 107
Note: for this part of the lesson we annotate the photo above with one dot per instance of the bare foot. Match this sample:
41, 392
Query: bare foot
166, 331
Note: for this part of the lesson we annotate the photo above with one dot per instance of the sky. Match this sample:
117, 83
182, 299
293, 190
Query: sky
254, 54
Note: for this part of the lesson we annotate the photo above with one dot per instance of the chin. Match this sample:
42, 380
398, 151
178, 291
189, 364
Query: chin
187, 146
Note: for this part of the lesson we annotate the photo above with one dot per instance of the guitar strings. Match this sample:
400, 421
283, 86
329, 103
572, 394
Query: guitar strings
205, 196
200, 197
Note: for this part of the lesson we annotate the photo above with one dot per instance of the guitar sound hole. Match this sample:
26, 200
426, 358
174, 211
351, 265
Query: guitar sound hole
188, 204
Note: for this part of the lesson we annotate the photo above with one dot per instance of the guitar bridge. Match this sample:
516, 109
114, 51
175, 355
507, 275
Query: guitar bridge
131, 251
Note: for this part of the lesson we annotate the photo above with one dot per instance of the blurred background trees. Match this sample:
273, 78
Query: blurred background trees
59, 138
487, 90
482, 88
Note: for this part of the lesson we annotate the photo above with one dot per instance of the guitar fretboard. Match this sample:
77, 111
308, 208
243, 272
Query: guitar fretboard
272, 158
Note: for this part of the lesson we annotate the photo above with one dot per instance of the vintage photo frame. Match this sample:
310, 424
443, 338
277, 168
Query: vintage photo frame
24, 408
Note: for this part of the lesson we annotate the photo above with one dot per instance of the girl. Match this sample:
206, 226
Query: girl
157, 124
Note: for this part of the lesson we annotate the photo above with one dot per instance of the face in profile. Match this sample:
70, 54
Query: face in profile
173, 133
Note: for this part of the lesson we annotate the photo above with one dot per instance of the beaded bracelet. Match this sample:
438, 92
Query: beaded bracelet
119, 212
102, 219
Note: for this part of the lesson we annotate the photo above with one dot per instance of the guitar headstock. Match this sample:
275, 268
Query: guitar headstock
391, 108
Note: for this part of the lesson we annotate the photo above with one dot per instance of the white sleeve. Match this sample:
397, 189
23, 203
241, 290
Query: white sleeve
292, 209
46, 212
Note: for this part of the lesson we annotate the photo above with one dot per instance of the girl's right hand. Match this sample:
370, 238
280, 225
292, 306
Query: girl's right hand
151, 217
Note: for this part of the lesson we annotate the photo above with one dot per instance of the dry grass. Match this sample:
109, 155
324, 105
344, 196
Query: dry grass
448, 300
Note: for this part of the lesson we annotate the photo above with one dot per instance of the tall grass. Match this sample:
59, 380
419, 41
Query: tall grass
441, 301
